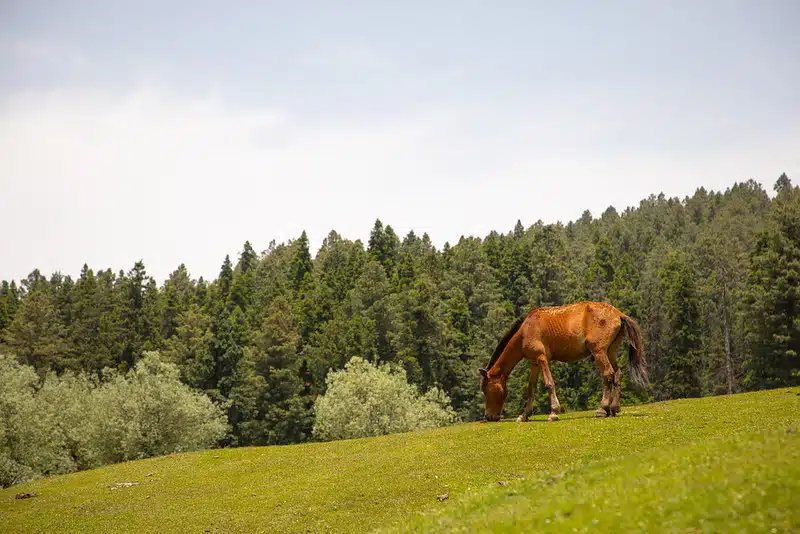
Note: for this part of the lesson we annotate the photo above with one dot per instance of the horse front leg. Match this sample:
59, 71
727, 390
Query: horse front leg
547, 377
533, 383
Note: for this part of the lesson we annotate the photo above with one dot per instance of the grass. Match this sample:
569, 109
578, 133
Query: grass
719, 464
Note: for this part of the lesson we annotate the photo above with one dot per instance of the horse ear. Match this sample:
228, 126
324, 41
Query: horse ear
483, 372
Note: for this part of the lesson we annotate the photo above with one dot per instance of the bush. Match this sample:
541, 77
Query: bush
22, 444
364, 400
72, 422
149, 412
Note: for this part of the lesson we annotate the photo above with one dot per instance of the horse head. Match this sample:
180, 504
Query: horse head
494, 394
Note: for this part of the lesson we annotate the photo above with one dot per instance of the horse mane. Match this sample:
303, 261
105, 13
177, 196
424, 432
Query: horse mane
498, 350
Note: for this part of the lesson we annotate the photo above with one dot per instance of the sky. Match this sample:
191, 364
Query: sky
172, 132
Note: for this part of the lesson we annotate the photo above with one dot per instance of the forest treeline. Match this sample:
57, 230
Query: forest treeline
713, 280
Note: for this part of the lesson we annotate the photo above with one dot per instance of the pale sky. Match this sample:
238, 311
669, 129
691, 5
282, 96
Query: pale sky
174, 131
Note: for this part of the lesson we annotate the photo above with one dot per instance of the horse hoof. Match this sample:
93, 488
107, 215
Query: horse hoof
601, 413
522, 419
553, 418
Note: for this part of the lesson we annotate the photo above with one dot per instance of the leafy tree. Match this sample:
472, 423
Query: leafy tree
364, 400
72, 422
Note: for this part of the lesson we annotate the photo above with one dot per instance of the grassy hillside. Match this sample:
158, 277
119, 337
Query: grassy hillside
704, 464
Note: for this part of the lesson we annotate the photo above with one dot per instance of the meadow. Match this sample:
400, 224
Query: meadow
713, 464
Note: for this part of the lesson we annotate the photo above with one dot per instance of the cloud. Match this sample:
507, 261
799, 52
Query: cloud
345, 56
42, 52
105, 178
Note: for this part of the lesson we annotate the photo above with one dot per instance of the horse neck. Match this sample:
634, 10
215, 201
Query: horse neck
510, 356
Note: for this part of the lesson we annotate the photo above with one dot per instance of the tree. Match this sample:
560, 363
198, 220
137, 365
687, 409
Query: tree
178, 292
383, 245
364, 400
774, 296
678, 363
37, 336
301, 265
9, 303
601, 270
70, 422
225, 279
190, 348
272, 408
140, 315
241, 292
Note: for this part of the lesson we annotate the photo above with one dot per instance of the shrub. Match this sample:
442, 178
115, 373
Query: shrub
365, 400
149, 412
71, 422
22, 444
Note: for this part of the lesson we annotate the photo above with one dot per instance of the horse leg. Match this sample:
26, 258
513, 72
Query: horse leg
615, 396
607, 374
555, 406
532, 388
613, 350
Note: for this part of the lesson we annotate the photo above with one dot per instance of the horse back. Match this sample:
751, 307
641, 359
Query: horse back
568, 332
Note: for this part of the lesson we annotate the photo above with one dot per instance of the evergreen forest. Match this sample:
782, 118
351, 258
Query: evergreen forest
713, 280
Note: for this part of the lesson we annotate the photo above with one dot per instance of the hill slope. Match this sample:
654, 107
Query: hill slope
667, 466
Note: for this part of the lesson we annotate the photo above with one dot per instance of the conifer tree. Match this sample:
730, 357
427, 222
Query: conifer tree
774, 295
36, 335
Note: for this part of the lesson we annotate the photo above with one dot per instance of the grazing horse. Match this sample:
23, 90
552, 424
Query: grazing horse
566, 334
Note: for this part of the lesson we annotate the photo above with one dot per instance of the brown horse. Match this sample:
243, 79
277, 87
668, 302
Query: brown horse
566, 334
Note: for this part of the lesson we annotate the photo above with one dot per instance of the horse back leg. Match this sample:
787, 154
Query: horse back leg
532, 389
613, 350
607, 374
603, 336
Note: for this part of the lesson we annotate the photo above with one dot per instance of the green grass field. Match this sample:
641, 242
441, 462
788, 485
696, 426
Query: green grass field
720, 464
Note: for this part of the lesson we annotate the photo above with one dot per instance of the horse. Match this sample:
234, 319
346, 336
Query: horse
567, 334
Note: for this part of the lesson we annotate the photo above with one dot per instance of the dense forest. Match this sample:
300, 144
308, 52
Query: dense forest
713, 280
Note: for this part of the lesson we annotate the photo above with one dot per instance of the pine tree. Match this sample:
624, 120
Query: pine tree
515, 270
774, 296
383, 245
37, 335
601, 271
178, 293
190, 348
241, 292
282, 413
225, 279
679, 365
247, 259
140, 314
5, 307
302, 265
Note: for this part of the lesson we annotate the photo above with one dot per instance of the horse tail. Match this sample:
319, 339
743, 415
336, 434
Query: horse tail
636, 359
